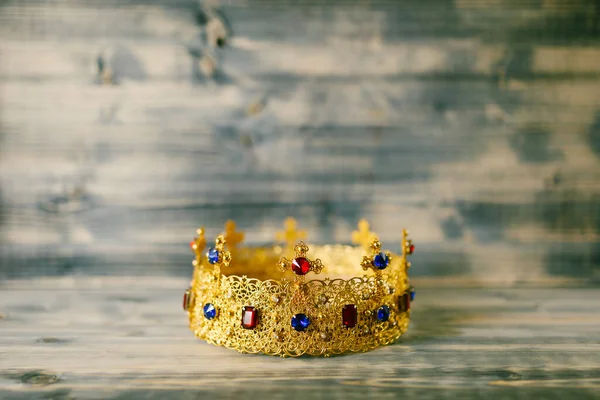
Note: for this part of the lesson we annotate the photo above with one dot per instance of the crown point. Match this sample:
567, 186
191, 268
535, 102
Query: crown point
291, 233
290, 222
407, 245
231, 236
363, 236
198, 243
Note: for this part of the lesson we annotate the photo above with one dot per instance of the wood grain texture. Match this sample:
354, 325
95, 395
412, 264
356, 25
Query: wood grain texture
117, 338
476, 124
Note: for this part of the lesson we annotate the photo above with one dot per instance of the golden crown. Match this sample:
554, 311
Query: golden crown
258, 300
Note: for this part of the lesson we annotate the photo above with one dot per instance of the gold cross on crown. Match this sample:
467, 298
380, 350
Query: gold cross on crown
232, 237
291, 234
363, 236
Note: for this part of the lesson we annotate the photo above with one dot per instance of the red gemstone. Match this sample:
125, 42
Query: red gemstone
249, 317
187, 299
411, 249
404, 302
300, 266
349, 315
193, 245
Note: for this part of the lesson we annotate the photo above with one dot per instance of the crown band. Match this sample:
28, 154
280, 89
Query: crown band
264, 303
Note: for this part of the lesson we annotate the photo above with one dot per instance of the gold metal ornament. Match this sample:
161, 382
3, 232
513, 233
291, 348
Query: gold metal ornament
232, 237
363, 236
263, 302
291, 234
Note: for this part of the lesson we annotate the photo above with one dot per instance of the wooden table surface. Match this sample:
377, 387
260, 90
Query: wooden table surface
127, 338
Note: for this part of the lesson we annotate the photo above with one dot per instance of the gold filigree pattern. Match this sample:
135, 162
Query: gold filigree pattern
262, 278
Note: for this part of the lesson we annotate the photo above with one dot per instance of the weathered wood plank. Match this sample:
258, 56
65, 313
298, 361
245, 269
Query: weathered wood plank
126, 337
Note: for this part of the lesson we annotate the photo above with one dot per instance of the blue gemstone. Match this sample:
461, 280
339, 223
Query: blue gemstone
209, 311
412, 294
381, 260
383, 314
213, 255
300, 322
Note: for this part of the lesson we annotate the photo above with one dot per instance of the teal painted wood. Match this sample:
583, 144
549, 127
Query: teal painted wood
115, 338
474, 124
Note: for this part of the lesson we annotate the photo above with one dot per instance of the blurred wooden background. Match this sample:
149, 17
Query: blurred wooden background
124, 125
476, 124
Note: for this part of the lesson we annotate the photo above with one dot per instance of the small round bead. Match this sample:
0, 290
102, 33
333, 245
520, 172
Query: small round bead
323, 299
